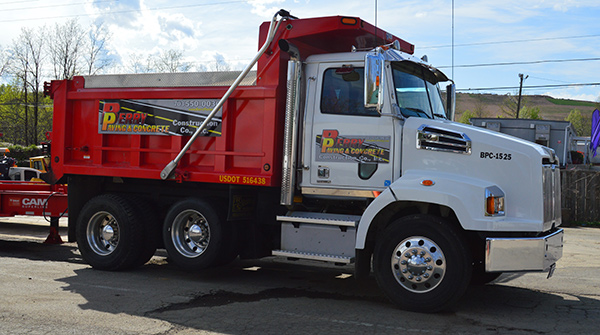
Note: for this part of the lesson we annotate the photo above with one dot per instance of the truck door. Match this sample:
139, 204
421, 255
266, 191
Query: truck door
351, 147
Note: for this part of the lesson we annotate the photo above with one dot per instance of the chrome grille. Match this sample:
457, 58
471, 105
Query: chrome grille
551, 193
438, 139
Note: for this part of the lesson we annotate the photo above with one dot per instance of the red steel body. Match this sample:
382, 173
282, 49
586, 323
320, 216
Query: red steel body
249, 149
32, 198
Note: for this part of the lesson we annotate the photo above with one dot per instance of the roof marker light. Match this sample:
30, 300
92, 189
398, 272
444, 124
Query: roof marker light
351, 21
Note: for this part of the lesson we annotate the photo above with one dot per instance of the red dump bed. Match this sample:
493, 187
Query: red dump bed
133, 125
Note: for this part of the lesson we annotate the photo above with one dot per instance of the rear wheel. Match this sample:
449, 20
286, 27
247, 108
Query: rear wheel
197, 236
109, 233
422, 264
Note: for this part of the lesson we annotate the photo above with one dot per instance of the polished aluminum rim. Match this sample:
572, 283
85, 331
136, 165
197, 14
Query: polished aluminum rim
103, 233
418, 264
190, 233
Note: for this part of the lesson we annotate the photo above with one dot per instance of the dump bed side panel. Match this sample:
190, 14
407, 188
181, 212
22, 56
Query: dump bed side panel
135, 132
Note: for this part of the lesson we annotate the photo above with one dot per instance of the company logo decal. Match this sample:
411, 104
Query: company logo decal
27, 203
333, 147
158, 117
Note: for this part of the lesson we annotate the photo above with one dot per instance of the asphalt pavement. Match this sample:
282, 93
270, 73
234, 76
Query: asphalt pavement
49, 289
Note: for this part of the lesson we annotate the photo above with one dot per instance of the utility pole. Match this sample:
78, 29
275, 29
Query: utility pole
520, 92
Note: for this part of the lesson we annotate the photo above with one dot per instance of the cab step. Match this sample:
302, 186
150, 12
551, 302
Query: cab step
320, 219
313, 256
318, 236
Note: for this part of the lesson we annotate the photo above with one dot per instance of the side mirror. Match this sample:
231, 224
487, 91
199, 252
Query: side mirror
450, 101
374, 79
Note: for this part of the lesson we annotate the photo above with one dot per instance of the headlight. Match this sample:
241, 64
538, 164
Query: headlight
494, 201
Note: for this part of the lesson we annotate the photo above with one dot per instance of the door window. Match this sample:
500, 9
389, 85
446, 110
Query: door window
342, 92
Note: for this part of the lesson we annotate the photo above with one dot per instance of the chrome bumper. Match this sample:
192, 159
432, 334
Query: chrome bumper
523, 254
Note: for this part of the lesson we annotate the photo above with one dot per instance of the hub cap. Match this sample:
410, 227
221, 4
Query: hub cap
418, 264
103, 233
190, 233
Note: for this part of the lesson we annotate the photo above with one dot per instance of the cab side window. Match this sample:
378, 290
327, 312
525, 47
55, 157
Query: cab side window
342, 92
30, 175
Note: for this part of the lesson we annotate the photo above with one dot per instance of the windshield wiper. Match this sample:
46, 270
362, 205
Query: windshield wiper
418, 111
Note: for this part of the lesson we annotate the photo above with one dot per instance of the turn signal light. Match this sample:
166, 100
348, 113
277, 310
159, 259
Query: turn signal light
427, 182
494, 201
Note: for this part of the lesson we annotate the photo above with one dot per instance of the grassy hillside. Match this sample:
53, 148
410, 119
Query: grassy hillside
550, 108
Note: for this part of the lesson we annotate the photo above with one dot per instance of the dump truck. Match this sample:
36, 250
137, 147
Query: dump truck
337, 148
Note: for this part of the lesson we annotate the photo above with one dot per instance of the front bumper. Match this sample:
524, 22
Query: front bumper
524, 254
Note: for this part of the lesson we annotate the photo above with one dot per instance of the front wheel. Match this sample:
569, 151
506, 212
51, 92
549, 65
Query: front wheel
422, 263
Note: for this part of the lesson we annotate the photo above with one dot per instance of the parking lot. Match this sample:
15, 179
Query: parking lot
49, 289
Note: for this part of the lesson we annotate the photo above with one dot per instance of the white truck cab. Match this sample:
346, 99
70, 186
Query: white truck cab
447, 203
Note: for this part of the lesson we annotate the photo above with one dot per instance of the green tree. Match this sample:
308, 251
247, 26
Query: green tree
509, 106
11, 115
582, 123
478, 111
13, 121
532, 113
466, 117
26, 67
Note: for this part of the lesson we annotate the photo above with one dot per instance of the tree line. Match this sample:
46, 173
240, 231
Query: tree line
65, 50
582, 122
62, 52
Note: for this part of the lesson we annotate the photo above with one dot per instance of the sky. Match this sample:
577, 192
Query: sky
553, 43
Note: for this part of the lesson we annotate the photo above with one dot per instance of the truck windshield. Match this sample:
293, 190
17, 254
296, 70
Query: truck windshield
417, 92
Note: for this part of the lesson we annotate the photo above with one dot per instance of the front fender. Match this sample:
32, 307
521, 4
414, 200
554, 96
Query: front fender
463, 195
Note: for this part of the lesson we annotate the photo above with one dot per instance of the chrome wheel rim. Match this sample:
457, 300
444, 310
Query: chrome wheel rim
103, 233
418, 264
190, 233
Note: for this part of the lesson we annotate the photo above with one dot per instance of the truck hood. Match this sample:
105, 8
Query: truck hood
483, 148
466, 154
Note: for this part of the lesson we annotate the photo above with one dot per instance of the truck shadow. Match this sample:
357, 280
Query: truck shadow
269, 296
263, 296
38, 251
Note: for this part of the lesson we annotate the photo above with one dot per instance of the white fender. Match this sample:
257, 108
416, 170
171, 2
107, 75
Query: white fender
463, 195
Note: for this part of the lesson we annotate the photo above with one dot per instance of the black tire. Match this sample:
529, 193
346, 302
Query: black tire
197, 235
422, 264
151, 229
109, 233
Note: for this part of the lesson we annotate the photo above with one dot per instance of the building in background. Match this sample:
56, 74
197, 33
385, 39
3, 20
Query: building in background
558, 135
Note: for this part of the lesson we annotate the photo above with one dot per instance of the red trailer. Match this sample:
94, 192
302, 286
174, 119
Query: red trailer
36, 199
